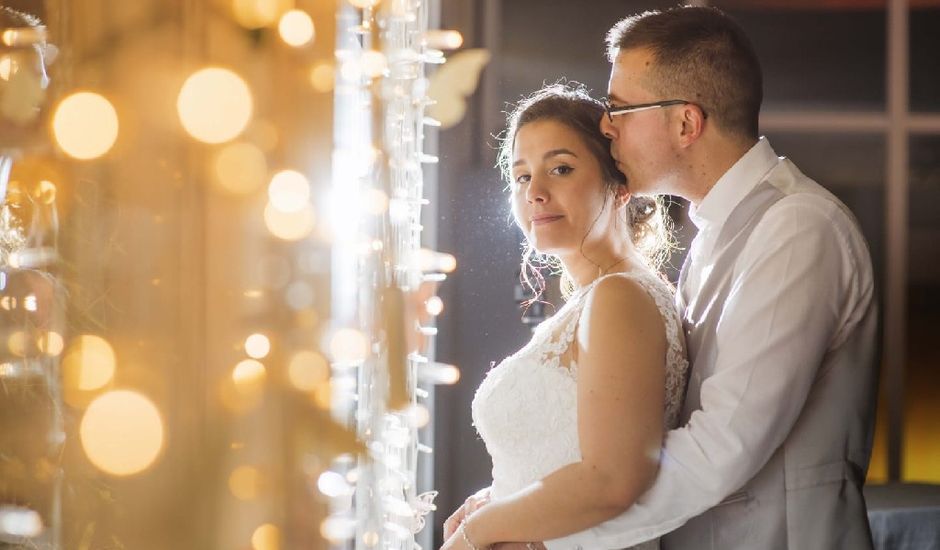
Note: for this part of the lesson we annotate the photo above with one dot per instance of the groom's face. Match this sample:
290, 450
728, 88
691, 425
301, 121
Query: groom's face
640, 141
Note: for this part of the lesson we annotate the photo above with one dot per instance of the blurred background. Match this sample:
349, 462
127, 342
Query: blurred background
187, 352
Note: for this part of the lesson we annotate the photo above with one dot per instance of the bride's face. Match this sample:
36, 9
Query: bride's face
559, 198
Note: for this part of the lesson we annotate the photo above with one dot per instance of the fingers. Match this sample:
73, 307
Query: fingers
450, 526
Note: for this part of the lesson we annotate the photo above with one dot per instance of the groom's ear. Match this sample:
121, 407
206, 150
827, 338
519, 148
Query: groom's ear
692, 123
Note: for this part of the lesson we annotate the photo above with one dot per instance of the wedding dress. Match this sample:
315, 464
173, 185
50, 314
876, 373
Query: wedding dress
526, 408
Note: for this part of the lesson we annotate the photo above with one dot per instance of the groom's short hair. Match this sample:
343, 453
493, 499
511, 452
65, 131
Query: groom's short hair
700, 55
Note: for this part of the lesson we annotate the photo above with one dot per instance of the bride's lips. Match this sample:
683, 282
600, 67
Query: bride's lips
543, 219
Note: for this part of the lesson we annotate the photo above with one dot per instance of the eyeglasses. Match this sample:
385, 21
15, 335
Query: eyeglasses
614, 111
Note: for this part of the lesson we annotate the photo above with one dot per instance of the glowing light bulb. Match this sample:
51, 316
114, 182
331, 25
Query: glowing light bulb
296, 28
214, 105
85, 125
444, 39
257, 346
121, 432
434, 305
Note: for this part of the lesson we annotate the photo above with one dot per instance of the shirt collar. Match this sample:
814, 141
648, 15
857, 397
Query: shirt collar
734, 185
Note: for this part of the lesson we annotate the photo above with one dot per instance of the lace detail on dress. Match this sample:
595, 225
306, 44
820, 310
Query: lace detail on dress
526, 408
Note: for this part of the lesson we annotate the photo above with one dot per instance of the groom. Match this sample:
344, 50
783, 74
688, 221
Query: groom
777, 300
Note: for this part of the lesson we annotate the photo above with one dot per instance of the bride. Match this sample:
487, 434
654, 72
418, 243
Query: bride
574, 420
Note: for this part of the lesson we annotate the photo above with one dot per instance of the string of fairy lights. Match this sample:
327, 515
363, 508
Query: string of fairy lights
371, 373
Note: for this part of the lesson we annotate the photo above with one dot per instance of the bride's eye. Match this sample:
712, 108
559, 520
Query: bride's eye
522, 179
562, 170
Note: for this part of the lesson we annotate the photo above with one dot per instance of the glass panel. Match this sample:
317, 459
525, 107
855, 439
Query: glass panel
925, 64
921, 449
817, 58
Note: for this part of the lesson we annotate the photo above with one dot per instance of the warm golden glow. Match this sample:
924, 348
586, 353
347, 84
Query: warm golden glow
121, 432
443, 39
289, 191
323, 77
296, 28
373, 63
50, 343
45, 192
349, 346
323, 396
16, 343
245, 482
307, 370
248, 374
266, 537
257, 346
432, 260
375, 201
89, 363
240, 168
85, 125
254, 14
214, 105
7, 67
370, 538
362, 4
434, 305
290, 226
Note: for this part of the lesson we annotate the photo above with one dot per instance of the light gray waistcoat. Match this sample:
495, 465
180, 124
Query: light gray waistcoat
809, 494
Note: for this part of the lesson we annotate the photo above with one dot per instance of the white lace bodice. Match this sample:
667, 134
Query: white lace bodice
526, 408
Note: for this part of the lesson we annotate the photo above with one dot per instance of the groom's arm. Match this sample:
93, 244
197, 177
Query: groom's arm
792, 287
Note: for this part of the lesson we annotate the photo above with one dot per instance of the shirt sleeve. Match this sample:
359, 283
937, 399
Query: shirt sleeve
788, 294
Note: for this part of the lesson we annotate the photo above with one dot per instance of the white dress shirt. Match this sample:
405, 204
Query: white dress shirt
802, 285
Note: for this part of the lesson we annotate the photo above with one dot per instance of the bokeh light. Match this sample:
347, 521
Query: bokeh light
245, 482
89, 363
240, 168
332, 484
121, 432
248, 374
16, 343
434, 305
349, 346
50, 343
266, 537
257, 346
363, 4
254, 14
307, 370
443, 39
373, 63
85, 125
323, 76
214, 105
8, 67
296, 28
289, 191
290, 226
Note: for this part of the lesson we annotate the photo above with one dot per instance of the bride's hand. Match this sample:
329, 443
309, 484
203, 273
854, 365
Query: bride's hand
471, 505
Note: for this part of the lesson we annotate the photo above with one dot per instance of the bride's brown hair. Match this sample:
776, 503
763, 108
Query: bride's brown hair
570, 104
